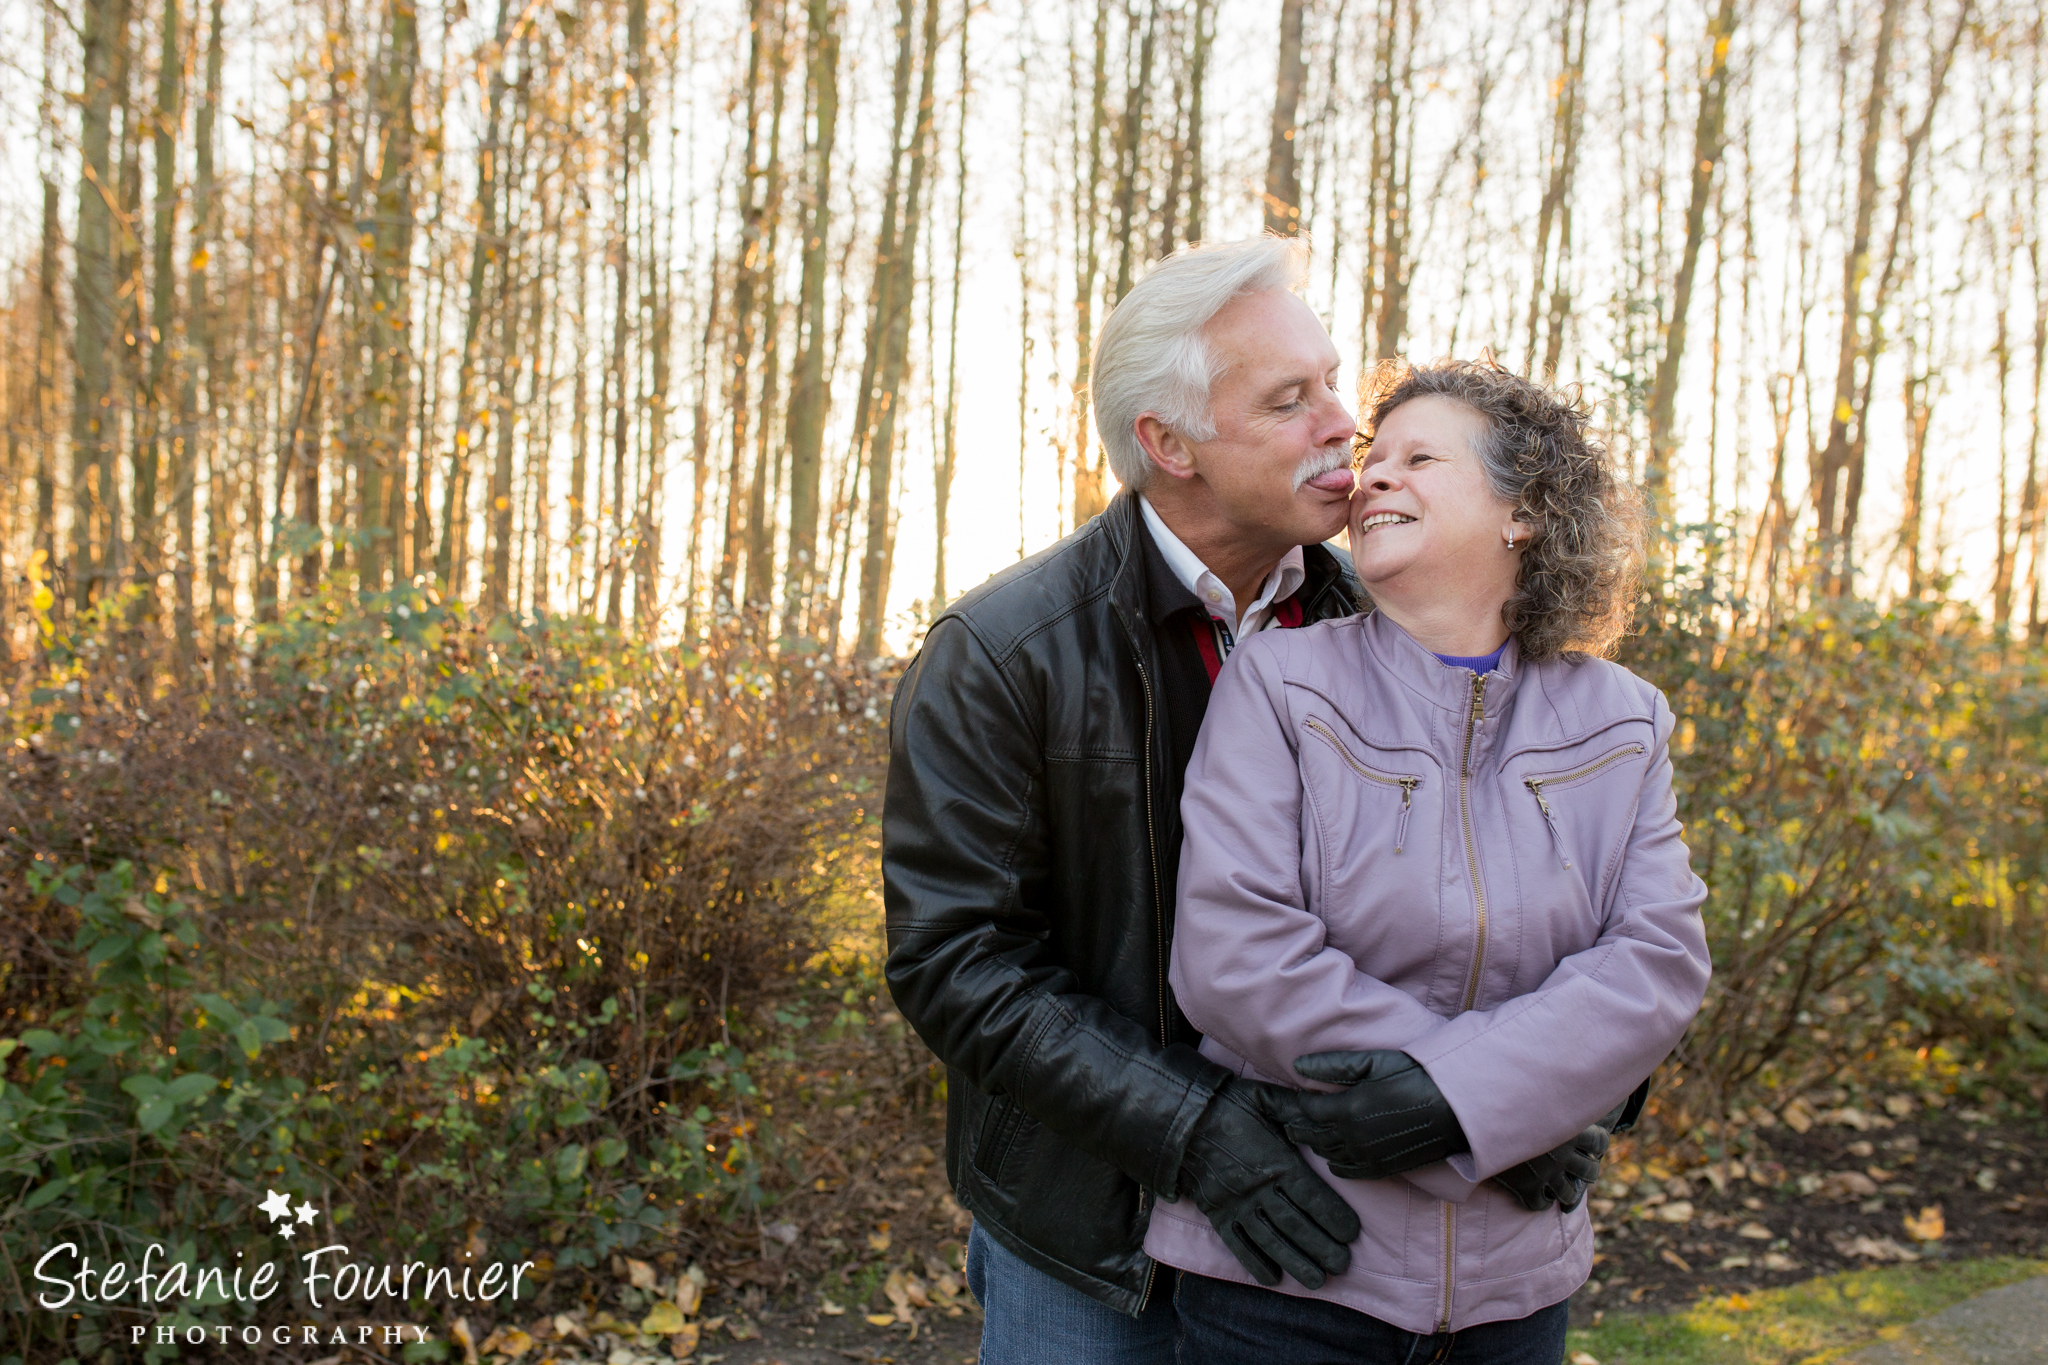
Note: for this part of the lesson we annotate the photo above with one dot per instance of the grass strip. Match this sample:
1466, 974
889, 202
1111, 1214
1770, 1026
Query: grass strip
1804, 1324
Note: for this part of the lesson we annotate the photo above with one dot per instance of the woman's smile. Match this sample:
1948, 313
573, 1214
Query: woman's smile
1374, 521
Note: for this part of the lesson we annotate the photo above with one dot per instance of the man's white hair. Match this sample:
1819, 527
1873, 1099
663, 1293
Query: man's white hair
1151, 355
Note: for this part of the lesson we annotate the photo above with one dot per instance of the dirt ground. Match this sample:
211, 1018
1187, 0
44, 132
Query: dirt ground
1832, 1198
870, 1270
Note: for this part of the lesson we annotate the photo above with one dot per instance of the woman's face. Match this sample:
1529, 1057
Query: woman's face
1425, 522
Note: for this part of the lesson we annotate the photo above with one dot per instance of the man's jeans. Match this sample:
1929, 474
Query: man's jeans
1223, 1323
1030, 1318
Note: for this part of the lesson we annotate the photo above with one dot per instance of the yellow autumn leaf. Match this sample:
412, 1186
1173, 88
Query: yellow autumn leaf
878, 1240
1928, 1227
511, 1342
683, 1343
881, 1319
690, 1289
199, 259
664, 1319
640, 1273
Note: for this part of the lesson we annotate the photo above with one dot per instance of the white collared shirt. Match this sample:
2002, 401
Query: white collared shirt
1212, 592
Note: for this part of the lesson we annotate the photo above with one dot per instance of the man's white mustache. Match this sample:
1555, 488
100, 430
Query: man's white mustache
1322, 462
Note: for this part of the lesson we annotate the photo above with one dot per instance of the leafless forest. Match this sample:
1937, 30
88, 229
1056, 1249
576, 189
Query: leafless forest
656, 311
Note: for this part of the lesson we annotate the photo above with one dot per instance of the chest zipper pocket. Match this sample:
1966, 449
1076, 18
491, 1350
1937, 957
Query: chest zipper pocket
1405, 781
1538, 781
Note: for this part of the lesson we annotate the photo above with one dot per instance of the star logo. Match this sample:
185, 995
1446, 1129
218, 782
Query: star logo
307, 1213
277, 1206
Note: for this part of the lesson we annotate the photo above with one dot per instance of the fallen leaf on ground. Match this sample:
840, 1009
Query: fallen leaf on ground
1797, 1117
1670, 1257
640, 1273
1778, 1260
1930, 1226
829, 1308
1735, 1262
1847, 1185
690, 1289
1899, 1106
1678, 1211
683, 1344
459, 1330
881, 1319
1583, 1358
664, 1319
1755, 1232
878, 1240
1870, 1248
507, 1341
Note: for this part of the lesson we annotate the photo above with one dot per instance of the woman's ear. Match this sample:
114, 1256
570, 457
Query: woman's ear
1518, 534
1164, 448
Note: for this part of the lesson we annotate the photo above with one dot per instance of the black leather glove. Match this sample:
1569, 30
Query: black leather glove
1273, 1212
1391, 1119
1561, 1175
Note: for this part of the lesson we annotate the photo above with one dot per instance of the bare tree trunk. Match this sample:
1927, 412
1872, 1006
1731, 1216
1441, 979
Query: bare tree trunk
942, 477
47, 323
878, 552
579, 421
760, 589
2031, 511
1130, 150
92, 418
747, 282
810, 395
881, 300
1198, 71
1566, 121
453, 554
390, 298
1708, 140
1827, 475
200, 402
149, 447
1089, 495
1283, 175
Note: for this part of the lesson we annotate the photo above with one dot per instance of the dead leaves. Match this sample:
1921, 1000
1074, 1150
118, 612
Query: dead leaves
1929, 1226
1865, 1248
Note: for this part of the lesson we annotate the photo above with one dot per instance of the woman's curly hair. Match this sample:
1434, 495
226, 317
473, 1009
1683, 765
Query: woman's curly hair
1577, 584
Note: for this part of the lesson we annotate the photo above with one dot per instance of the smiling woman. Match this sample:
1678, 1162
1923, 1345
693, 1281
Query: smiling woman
1431, 864
1481, 484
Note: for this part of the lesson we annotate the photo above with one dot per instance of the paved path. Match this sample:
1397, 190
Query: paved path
2007, 1326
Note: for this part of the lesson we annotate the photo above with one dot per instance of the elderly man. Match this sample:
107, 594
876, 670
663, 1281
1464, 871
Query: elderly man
1032, 832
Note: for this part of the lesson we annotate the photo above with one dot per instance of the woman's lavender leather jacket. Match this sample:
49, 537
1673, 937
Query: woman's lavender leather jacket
1485, 872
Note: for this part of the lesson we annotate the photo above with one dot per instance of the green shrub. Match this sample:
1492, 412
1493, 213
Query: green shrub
1861, 790
470, 933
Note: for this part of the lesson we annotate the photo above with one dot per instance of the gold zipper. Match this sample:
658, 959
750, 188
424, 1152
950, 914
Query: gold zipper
1471, 850
1536, 785
1406, 784
1450, 1265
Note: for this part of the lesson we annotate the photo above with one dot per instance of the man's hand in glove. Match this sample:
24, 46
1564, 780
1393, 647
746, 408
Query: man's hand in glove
1391, 1119
1272, 1211
1560, 1176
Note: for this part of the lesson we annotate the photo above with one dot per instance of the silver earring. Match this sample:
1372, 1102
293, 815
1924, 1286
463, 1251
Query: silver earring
1511, 540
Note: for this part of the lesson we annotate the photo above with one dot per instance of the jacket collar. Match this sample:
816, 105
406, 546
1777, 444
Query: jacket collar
1328, 587
1422, 673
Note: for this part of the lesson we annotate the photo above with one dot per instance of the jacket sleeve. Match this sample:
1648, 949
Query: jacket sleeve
1251, 964
1527, 1074
971, 966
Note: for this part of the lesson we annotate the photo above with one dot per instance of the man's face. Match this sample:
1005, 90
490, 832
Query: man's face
1279, 467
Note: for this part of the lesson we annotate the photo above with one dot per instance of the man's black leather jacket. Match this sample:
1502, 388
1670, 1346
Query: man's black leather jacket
1028, 837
